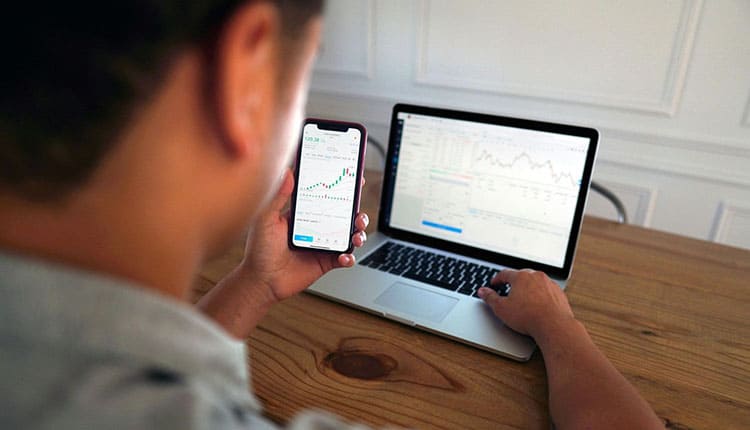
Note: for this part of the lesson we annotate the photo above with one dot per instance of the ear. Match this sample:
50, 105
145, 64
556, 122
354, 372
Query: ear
246, 73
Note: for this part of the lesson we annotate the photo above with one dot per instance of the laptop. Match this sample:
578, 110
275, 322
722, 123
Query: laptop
464, 196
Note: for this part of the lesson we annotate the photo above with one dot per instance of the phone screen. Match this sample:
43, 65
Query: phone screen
327, 187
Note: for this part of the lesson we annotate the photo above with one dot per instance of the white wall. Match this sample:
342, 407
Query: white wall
667, 83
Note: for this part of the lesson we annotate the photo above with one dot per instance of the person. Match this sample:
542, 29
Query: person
138, 140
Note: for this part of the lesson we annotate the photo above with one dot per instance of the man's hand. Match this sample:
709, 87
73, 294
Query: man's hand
270, 271
269, 261
535, 303
585, 390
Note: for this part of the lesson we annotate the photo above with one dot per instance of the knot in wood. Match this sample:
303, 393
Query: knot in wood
360, 365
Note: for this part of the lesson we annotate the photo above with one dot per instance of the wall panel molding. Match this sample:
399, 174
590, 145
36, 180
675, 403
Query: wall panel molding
365, 102
732, 226
746, 117
657, 152
689, 159
699, 143
367, 44
663, 104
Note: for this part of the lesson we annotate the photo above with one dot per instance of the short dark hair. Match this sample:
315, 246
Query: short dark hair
73, 72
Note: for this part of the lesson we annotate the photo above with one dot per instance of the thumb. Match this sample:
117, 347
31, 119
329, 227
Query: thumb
493, 300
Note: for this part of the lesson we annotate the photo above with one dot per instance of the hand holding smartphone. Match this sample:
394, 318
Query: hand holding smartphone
327, 183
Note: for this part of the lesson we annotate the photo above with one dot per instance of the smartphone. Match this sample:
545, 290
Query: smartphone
327, 183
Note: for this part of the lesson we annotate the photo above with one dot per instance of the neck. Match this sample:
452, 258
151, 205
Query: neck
108, 239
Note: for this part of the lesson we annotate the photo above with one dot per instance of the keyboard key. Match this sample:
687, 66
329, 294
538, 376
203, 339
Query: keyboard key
502, 288
426, 280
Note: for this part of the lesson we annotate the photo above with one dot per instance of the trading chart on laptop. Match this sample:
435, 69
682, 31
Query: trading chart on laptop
506, 189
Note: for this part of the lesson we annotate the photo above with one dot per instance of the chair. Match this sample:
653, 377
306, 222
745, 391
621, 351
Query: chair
622, 215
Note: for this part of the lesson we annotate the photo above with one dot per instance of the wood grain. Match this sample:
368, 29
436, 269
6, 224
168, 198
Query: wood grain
673, 315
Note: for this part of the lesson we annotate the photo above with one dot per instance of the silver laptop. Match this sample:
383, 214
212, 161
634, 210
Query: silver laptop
464, 196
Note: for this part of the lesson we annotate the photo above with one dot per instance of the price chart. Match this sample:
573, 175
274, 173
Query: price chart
325, 195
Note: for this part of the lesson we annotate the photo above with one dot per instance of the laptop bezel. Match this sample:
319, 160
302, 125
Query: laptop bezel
389, 182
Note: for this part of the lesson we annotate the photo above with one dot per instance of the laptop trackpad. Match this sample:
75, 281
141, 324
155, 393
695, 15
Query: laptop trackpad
420, 303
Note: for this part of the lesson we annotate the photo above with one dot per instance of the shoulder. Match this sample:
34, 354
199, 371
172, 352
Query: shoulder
58, 389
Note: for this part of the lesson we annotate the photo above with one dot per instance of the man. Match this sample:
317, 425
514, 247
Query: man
138, 140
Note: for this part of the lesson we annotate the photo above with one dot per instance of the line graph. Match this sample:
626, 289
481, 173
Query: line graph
541, 178
491, 160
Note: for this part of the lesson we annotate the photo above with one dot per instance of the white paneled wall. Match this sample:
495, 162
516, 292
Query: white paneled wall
667, 83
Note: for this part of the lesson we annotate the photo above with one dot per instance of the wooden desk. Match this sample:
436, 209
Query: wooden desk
673, 315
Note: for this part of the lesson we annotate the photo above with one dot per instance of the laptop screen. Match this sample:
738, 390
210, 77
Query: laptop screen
506, 187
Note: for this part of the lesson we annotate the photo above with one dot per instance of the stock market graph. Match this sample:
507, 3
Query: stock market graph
508, 189
325, 193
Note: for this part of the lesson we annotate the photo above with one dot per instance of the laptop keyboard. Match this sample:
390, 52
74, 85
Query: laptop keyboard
435, 269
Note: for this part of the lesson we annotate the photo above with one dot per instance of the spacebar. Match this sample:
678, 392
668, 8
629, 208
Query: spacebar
435, 282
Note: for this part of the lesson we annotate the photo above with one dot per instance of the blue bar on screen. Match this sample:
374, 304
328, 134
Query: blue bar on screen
441, 226
303, 238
